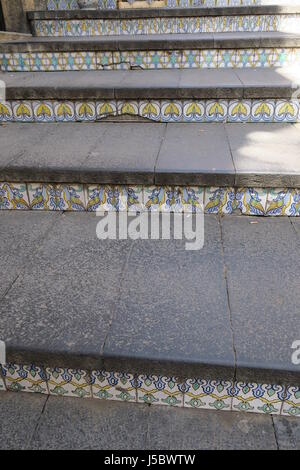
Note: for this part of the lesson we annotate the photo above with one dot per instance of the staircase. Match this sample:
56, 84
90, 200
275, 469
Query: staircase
175, 103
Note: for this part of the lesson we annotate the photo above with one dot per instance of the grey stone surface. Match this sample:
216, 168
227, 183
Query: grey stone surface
145, 306
167, 12
79, 152
252, 154
20, 235
72, 423
20, 415
265, 155
172, 305
91, 424
287, 432
150, 42
152, 84
187, 148
208, 430
61, 308
262, 266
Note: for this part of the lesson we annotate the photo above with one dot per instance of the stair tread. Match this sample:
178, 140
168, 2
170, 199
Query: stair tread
290, 7
154, 41
152, 153
152, 84
84, 303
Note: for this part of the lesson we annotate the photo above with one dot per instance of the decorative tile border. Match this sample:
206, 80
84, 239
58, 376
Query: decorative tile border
91, 198
153, 390
167, 25
147, 60
264, 110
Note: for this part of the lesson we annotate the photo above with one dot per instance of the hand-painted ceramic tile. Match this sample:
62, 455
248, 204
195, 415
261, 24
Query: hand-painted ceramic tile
171, 111
159, 390
194, 111
105, 109
105, 60
279, 202
13, 196
286, 111
216, 111
239, 111
69, 382
25, 378
6, 112
150, 110
85, 111
251, 201
22, 111
43, 111
2, 383
219, 200
257, 398
64, 111
113, 386
70, 197
291, 405
130, 108
263, 110
211, 394
106, 198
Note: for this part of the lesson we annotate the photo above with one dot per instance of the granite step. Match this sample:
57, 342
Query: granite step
170, 20
224, 155
237, 95
169, 326
160, 51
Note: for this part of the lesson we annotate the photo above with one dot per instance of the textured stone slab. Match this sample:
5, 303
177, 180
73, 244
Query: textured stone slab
262, 266
20, 414
163, 12
237, 40
251, 155
173, 304
144, 84
62, 305
267, 154
287, 432
187, 148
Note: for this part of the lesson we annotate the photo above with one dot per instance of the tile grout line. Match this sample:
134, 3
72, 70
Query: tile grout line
39, 420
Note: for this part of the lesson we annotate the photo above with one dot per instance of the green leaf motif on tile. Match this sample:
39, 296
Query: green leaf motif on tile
268, 408
80, 392
297, 394
172, 401
196, 386
243, 406
149, 399
219, 405
125, 396
36, 388
55, 374
15, 387
246, 389
220, 388
148, 382
171, 384
271, 392
103, 394
195, 403
294, 411
58, 390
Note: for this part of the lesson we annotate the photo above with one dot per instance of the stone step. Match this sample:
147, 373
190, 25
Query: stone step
236, 95
166, 21
228, 155
147, 320
249, 169
238, 50
173, 4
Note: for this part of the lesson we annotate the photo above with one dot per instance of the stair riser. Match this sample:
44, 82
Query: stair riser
263, 110
175, 25
190, 393
148, 60
94, 197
